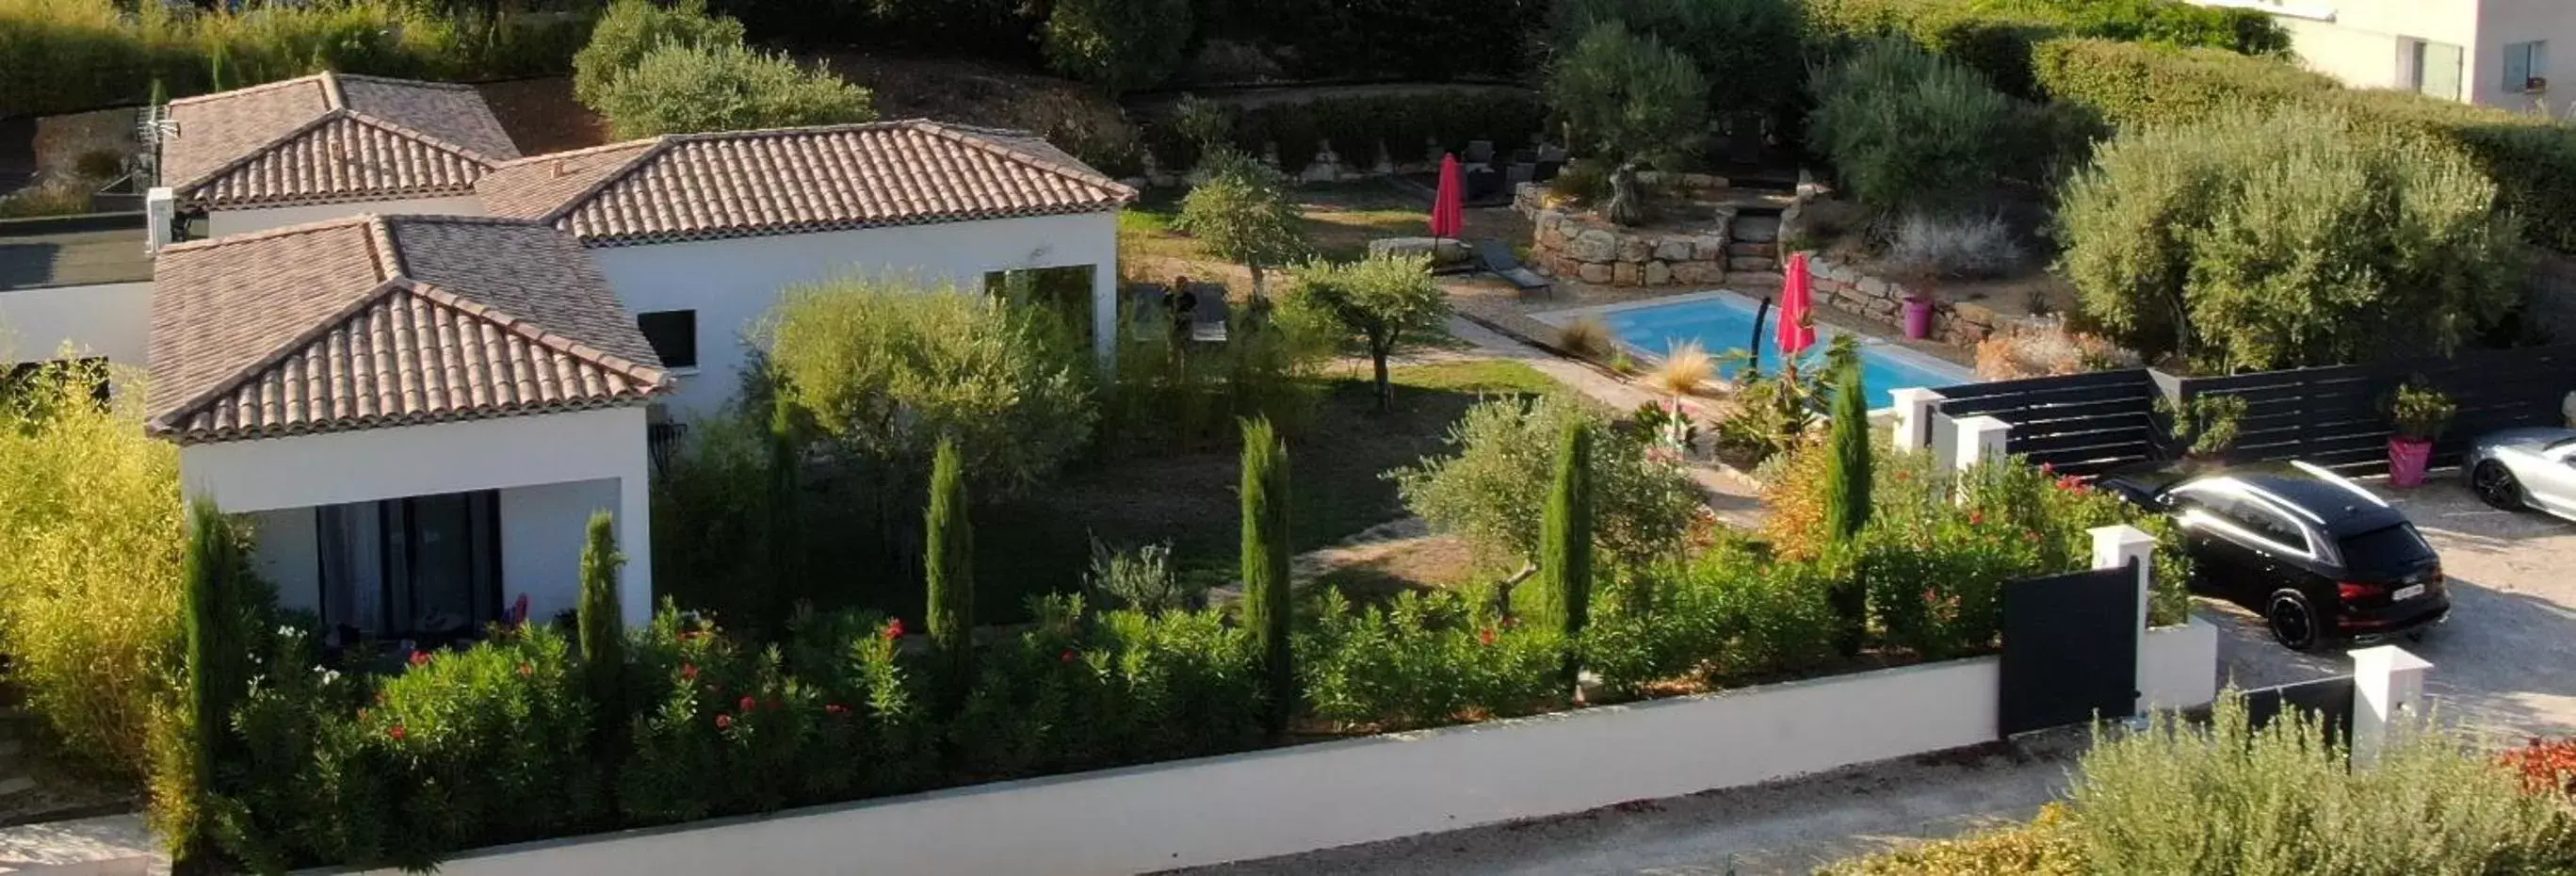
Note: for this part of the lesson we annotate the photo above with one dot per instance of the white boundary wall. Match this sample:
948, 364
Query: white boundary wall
1282, 801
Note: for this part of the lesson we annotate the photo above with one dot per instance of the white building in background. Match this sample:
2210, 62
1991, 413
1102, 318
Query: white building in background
419, 406
701, 234
2492, 53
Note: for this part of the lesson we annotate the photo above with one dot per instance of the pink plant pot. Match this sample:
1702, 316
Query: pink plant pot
2407, 459
1918, 318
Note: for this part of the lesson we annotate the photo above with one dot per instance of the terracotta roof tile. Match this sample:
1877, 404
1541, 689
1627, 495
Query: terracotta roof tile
382, 321
331, 137
795, 180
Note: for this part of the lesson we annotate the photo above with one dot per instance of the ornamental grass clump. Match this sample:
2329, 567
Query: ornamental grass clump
95, 538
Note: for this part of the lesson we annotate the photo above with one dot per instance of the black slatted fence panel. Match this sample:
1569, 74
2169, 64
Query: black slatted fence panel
2081, 424
2336, 417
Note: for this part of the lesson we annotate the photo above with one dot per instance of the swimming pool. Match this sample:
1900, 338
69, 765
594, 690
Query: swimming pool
1723, 321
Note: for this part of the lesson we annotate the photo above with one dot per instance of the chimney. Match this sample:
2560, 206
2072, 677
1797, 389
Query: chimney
160, 215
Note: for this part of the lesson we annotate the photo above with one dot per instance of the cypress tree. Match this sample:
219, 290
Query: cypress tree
786, 526
1847, 502
601, 616
1565, 541
950, 560
218, 649
1266, 608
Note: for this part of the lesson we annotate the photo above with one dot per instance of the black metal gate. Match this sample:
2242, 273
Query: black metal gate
2328, 700
2070, 649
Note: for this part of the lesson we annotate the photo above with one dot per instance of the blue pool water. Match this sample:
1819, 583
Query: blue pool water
1721, 324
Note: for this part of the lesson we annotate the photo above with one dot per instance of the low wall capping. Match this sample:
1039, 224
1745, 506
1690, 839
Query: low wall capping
1258, 804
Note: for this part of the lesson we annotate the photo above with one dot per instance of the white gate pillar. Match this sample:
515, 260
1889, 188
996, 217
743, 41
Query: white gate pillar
1914, 410
2387, 691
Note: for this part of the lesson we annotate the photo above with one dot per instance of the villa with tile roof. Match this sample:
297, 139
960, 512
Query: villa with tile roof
420, 362
329, 145
419, 413
701, 234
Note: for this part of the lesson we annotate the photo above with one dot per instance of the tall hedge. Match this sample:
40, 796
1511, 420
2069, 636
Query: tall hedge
2000, 38
1564, 591
1410, 126
950, 557
1266, 607
2531, 158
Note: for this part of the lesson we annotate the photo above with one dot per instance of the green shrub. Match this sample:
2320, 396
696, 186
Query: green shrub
631, 29
1731, 610
1909, 130
1170, 394
885, 370
1119, 45
1265, 563
1426, 660
2001, 38
680, 89
1406, 125
66, 55
1079, 691
95, 535
1561, 594
602, 622
1493, 490
223, 611
2227, 799
1625, 97
2296, 239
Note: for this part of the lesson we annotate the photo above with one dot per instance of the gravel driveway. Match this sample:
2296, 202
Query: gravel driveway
2506, 661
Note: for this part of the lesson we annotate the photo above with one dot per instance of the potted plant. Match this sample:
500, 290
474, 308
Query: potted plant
1918, 315
2205, 426
2420, 413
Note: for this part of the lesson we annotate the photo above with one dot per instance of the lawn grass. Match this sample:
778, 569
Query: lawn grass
1337, 486
1340, 220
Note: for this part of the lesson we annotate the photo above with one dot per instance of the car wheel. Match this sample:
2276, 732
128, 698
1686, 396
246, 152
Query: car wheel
2495, 486
2291, 620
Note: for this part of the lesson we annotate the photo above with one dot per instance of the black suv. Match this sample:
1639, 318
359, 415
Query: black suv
2321, 558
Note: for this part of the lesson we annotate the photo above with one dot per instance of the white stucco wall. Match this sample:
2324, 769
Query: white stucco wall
288, 553
732, 283
220, 223
543, 529
1282, 801
2501, 22
503, 453
113, 320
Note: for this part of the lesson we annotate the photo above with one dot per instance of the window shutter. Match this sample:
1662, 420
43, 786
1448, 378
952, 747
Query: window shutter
2517, 66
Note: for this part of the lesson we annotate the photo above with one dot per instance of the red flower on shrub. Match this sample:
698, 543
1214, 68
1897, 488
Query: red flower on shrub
835, 709
419, 658
395, 731
894, 629
1904, 476
1976, 518
526, 670
2030, 535
1068, 656
2047, 468
724, 721
1487, 636
747, 704
689, 671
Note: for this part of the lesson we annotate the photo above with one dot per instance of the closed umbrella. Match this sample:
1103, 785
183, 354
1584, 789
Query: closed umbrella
1797, 301
1449, 205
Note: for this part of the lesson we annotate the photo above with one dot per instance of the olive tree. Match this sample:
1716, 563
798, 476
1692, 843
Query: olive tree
2292, 239
1243, 215
1627, 97
1378, 299
1493, 488
681, 88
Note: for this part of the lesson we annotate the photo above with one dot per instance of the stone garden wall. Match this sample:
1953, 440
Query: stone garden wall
1959, 324
1580, 245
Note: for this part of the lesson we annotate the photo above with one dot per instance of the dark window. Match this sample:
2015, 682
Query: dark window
2386, 551
673, 334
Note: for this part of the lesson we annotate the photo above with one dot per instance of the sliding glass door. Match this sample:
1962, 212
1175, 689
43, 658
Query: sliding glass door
424, 565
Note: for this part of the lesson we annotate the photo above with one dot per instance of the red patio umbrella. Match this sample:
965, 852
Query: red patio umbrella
1449, 205
1797, 300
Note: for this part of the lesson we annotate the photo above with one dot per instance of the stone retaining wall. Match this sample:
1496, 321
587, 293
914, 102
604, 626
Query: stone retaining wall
1960, 324
1580, 245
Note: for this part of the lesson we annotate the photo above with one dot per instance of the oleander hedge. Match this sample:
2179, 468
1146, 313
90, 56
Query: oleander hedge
2531, 158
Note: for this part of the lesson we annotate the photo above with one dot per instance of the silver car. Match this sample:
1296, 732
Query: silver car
2532, 468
